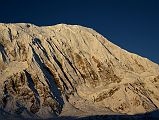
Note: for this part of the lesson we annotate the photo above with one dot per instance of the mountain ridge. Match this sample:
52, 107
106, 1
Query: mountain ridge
67, 70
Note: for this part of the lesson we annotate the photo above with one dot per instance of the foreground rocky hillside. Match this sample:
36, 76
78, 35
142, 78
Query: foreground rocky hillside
70, 70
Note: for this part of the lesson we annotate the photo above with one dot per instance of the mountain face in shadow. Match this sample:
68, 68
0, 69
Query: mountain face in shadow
72, 72
154, 115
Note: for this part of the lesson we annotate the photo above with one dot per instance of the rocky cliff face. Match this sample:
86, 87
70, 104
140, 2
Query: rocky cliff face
71, 70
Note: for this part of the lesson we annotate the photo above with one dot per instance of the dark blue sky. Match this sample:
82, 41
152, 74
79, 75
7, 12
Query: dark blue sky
131, 24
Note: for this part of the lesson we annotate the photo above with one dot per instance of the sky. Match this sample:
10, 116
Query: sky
131, 24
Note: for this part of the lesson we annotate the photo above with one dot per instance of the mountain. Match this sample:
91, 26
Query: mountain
70, 70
